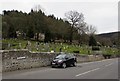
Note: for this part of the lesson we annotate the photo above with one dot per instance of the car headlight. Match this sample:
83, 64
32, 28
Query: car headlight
59, 60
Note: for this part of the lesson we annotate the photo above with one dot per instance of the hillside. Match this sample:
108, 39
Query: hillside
109, 35
109, 39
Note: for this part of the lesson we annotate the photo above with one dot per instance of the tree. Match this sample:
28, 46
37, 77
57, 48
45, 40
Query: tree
47, 36
30, 32
37, 8
92, 41
91, 30
74, 18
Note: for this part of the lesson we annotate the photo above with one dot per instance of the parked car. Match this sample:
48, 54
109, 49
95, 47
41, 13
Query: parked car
64, 60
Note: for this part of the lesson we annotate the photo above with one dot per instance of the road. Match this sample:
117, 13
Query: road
105, 69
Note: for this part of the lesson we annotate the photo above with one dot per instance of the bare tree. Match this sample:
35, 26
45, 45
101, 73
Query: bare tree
91, 30
36, 8
82, 28
74, 18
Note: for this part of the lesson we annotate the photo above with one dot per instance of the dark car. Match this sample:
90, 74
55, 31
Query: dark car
64, 60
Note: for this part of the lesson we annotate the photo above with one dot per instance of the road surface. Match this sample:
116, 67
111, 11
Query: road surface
105, 69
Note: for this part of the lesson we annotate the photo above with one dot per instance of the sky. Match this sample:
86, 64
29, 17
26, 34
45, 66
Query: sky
103, 14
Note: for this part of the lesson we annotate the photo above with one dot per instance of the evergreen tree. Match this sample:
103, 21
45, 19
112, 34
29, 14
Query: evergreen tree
92, 41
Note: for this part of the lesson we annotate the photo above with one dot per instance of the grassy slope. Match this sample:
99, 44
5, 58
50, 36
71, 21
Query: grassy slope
51, 46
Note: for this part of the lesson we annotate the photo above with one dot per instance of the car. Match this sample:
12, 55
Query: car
64, 60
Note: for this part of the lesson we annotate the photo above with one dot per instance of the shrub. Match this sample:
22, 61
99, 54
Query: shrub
95, 48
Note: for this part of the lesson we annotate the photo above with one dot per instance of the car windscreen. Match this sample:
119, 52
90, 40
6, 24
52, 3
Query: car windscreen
60, 57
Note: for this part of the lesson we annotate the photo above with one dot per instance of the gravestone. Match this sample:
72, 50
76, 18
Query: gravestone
9, 45
20, 46
37, 46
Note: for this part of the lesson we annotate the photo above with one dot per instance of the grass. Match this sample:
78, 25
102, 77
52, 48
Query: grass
110, 51
47, 47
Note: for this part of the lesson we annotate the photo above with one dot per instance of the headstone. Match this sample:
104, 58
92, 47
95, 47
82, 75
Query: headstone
37, 46
60, 49
29, 45
47, 47
20, 46
9, 46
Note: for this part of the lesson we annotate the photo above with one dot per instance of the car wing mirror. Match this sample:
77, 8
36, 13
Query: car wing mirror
66, 57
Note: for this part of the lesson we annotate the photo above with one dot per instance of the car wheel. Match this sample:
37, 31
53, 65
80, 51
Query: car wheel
74, 64
64, 65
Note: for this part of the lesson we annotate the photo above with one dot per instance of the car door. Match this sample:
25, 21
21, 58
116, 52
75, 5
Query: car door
72, 59
68, 60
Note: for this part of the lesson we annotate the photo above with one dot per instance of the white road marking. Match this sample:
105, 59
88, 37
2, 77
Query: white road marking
108, 65
87, 72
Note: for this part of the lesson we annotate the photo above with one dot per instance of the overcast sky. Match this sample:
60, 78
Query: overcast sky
103, 14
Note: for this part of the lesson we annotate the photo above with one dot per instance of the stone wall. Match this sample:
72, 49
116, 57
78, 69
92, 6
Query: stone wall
88, 58
23, 59
0, 62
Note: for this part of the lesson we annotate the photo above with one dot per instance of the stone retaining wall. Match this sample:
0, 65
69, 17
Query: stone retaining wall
23, 59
